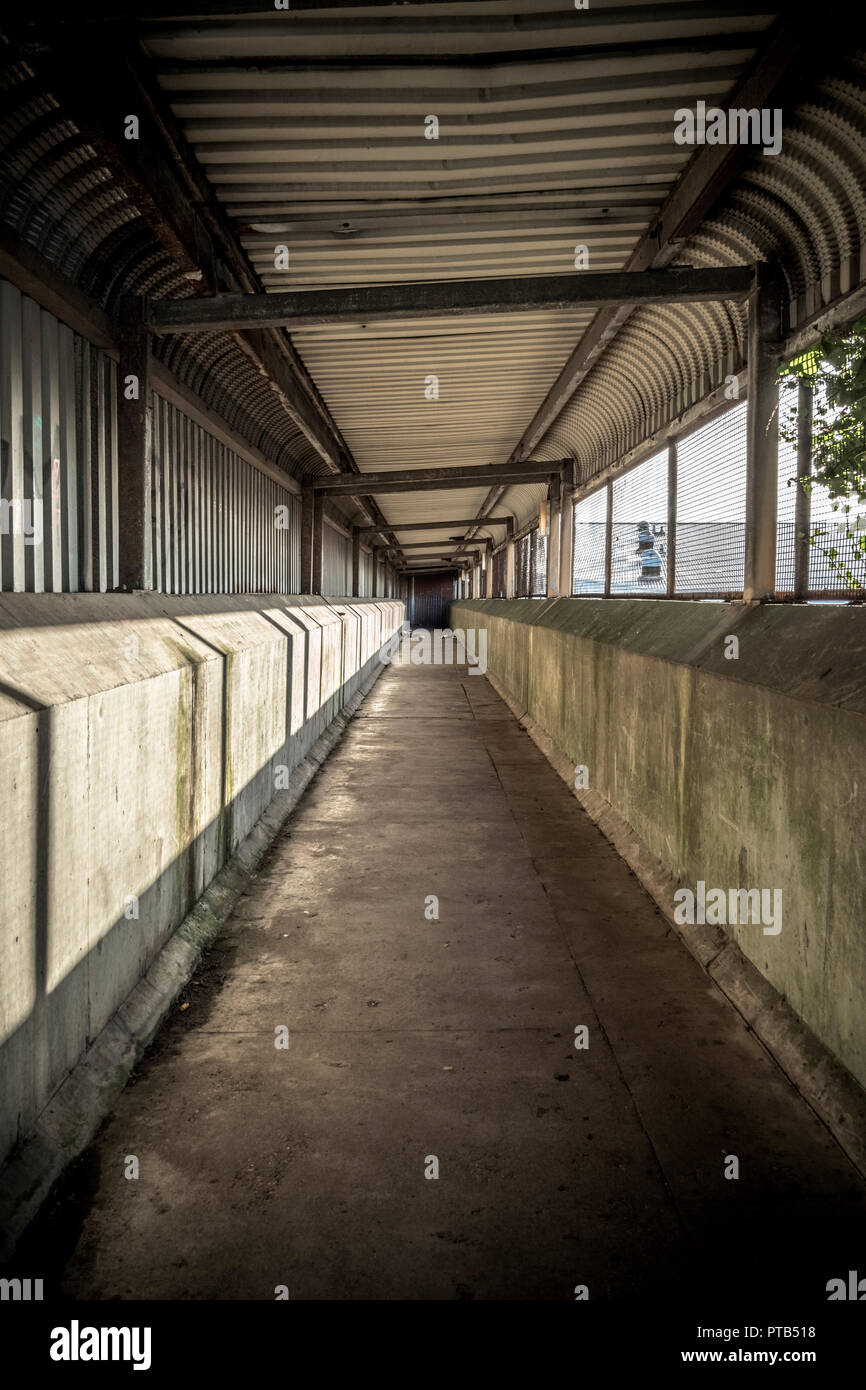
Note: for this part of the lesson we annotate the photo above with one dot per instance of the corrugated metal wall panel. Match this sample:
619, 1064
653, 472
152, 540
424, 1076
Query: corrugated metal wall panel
58, 472
530, 567
336, 563
216, 527
366, 574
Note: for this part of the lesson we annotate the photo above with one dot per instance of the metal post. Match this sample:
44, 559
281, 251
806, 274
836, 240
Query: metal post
318, 541
762, 468
554, 504
356, 561
374, 570
308, 507
510, 587
803, 500
608, 540
134, 427
566, 544
671, 542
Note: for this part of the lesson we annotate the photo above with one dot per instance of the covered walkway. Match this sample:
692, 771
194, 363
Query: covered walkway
412, 1038
330, 979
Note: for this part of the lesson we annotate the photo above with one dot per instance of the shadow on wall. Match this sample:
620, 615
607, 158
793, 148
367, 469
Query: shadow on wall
127, 798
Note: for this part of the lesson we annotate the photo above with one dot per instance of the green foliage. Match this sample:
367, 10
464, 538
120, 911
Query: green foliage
836, 371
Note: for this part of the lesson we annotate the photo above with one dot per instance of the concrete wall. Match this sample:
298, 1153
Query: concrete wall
743, 773
141, 738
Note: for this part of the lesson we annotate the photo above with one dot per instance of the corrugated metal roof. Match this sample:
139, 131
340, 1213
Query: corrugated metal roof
805, 208
555, 129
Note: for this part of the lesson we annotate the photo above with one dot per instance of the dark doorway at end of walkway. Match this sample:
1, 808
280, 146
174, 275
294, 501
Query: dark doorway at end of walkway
429, 599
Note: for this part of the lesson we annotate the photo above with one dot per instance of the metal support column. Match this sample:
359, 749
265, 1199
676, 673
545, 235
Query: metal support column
554, 507
608, 539
318, 541
510, 578
566, 544
671, 541
762, 469
356, 561
308, 507
134, 426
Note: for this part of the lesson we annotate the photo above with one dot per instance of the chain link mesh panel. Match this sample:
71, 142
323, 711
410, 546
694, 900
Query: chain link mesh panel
587, 576
539, 565
640, 523
500, 566
711, 506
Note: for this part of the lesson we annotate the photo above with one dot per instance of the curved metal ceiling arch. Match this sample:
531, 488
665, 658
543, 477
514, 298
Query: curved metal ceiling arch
804, 209
62, 200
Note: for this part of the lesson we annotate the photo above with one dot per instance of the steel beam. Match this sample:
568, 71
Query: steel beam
427, 479
448, 298
345, 487
108, 11
36, 277
395, 526
433, 562
433, 545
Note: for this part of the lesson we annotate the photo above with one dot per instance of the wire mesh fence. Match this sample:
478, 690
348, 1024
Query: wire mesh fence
500, 571
707, 555
590, 522
711, 506
530, 565
639, 541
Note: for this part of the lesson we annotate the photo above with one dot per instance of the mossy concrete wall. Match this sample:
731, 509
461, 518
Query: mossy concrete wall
743, 773
141, 739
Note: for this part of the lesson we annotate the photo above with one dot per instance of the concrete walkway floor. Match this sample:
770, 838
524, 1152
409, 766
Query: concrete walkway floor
413, 1038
